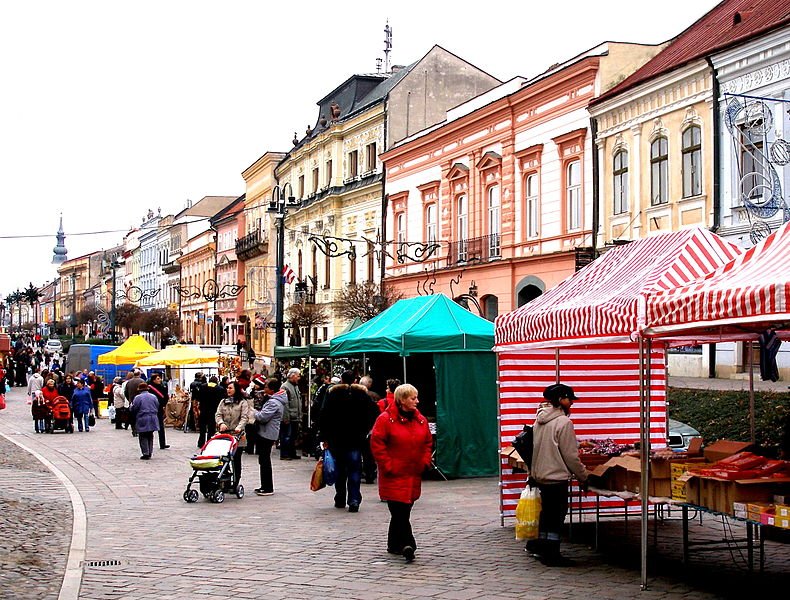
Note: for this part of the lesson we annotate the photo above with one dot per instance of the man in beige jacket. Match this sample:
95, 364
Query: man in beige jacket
555, 458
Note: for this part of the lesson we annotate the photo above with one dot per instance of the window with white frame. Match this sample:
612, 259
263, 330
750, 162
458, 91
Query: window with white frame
328, 174
573, 195
532, 209
430, 223
692, 161
659, 171
494, 221
752, 161
401, 229
353, 163
370, 157
620, 183
462, 216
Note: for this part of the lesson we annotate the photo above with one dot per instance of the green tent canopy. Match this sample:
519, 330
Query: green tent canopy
467, 443
422, 324
313, 350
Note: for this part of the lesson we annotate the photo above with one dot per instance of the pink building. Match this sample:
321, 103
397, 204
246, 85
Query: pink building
229, 225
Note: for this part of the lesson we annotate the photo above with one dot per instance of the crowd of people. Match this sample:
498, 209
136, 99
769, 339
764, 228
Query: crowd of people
370, 437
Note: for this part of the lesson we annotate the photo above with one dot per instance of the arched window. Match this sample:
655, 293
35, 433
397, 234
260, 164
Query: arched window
491, 307
494, 222
620, 187
401, 227
692, 161
659, 171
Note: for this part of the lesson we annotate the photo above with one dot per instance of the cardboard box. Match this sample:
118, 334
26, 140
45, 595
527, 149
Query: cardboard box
679, 491
783, 522
767, 519
719, 494
782, 510
755, 510
724, 448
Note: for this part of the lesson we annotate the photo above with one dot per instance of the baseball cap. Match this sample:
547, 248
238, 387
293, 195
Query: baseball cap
559, 390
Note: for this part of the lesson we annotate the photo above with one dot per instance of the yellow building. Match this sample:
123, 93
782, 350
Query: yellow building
258, 251
655, 151
197, 266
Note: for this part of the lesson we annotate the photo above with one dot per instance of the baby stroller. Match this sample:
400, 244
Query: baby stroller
60, 415
213, 467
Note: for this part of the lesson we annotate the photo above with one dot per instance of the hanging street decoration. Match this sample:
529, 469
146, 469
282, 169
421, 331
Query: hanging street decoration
210, 291
330, 246
136, 294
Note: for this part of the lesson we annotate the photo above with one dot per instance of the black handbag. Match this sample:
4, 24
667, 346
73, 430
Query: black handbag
91, 419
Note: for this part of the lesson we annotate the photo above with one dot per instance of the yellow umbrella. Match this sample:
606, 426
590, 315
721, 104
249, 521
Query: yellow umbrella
179, 355
127, 353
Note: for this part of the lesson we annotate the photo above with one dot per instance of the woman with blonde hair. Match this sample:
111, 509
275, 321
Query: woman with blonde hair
401, 444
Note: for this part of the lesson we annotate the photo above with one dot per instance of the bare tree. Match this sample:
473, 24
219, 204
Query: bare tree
365, 300
308, 316
126, 316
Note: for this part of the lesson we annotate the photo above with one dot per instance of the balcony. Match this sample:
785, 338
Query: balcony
251, 245
475, 250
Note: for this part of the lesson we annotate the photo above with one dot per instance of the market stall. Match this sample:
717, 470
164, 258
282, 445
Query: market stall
580, 333
124, 356
434, 328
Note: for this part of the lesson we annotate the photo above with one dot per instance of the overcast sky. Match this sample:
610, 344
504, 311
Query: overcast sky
109, 108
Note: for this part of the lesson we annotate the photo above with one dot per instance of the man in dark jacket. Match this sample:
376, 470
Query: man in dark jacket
209, 395
130, 391
346, 418
157, 387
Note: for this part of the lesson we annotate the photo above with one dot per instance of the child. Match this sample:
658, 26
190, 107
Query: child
40, 411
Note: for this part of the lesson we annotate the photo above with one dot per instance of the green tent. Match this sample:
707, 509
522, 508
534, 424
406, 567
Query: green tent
467, 443
313, 350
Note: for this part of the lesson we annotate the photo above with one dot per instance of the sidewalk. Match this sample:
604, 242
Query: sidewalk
296, 545
700, 383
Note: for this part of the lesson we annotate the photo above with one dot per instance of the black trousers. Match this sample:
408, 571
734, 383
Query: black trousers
161, 417
208, 427
554, 508
400, 535
265, 463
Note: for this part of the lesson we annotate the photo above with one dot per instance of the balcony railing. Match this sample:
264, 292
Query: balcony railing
475, 250
251, 245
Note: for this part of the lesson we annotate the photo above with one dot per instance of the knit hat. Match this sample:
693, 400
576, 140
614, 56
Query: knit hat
259, 380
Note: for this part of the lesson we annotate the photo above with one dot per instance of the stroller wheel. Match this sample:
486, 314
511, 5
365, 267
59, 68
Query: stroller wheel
191, 496
240, 492
219, 496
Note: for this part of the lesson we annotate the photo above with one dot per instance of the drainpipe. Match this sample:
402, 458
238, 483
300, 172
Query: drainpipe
716, 187
595, 191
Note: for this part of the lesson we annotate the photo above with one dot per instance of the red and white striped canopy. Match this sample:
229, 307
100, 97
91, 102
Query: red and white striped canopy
750, 293
601, 302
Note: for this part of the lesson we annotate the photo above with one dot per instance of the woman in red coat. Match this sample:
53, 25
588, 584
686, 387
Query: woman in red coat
401, 445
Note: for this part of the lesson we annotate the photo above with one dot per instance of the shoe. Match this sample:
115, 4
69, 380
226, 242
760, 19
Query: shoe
144, 457
339, 505
262, 492
408, 553
353, 508
165, 447
393, 550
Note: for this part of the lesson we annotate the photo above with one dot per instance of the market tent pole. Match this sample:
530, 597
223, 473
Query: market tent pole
309, 379
499, 443
644, 450
404, 369
753, 437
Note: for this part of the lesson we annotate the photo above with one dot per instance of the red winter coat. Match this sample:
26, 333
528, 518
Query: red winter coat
402, 449
49, 395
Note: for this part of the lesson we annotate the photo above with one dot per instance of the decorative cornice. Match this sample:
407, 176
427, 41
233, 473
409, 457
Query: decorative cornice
776, 72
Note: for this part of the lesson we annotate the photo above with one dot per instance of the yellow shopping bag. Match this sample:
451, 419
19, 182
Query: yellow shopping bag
528, 514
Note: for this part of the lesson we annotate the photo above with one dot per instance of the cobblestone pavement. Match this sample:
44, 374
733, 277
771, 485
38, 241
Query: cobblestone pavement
296, 545
35, 526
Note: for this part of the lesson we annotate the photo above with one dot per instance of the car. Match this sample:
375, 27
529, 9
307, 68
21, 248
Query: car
680, 435
54, 345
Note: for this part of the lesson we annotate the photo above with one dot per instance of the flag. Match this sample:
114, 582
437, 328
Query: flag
288, 274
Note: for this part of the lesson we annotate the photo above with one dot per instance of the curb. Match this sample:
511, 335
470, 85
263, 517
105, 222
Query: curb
72, 578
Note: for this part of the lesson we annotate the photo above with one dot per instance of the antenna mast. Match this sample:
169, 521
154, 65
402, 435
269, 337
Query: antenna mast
387, 46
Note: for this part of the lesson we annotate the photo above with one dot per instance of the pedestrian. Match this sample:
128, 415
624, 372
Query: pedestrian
401, 443
251, 357
323, 385
144, 409
130, 390
257, 398
268, 420
346, 420
35, 383
97, 389
555, 457
49, 392
66, 389
289, 430
194, 394
121, 404
40, 412
232, 415
159, 389
368, 463
389, 398
82, 405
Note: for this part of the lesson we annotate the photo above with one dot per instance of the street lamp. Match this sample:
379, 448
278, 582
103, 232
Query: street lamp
279, 205
73, 319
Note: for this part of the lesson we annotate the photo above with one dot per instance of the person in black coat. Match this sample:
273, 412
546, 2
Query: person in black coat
159, 389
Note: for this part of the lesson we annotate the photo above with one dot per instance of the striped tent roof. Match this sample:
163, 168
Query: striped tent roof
600, 303
750, 293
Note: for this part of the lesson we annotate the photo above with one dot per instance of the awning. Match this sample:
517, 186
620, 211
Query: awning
179, 355
128, 353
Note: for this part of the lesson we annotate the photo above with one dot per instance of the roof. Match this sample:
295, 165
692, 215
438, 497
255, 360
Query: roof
748, 295
729, 23
422, 324
604, 300
208, 206
231, 210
